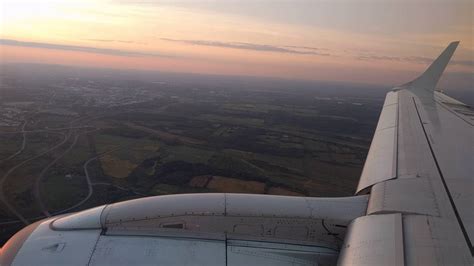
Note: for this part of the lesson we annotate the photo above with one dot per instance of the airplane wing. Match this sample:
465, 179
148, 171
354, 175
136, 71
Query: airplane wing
419, 173
412, 207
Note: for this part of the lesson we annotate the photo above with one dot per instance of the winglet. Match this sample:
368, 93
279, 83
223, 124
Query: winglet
430, 77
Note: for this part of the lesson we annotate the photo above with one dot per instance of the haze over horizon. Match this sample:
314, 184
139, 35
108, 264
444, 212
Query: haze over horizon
375, 42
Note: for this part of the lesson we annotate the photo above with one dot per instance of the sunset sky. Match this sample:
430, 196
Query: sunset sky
379, 41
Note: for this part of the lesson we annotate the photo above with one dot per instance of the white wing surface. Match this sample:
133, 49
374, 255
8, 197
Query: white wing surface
419, 173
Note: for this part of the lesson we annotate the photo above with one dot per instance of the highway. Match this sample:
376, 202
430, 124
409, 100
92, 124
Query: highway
23, 143
37, 190
37, 182
3, 199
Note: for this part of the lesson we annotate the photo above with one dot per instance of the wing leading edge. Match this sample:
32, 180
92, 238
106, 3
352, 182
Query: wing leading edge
419, 176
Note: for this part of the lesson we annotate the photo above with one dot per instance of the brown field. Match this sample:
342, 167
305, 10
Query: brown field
200, 181
116, 167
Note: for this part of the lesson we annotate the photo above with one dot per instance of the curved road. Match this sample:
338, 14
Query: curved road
45, 130
23, 144
88, 180
37, 182
3, 199
37, 192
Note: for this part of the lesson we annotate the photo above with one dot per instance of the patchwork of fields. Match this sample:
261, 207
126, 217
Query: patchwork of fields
79, 143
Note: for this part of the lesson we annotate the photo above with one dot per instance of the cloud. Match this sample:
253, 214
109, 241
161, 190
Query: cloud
99, 40
415, 59
247, 46
464, 62
76, 48
307, 48
106, 40
412, 59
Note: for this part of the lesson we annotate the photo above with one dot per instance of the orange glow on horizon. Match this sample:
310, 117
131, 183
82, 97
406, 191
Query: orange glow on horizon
198, 38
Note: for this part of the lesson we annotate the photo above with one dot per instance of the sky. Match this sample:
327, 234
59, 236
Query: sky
386, 42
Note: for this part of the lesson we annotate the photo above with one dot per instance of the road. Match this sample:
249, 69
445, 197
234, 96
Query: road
36, 188
23, 143
45, 130
3, 199
90, 189
37, 191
